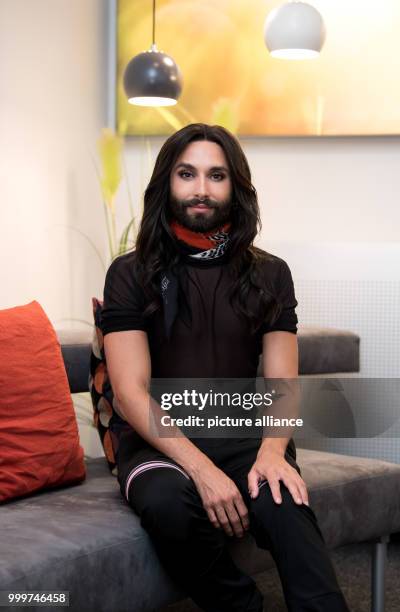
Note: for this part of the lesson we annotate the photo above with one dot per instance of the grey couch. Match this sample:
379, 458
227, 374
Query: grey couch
86, 539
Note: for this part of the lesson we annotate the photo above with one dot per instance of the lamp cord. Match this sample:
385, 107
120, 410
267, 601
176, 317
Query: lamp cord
154, 22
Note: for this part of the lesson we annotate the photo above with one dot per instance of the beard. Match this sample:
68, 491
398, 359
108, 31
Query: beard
201, 222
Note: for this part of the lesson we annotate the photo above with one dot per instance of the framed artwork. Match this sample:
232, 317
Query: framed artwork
230, 79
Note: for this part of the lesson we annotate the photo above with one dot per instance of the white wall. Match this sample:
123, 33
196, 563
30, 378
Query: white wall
52, 106
328, 189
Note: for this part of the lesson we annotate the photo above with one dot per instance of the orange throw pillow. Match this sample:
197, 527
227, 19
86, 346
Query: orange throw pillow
39, 439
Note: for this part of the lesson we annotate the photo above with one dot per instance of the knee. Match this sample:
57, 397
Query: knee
265, 508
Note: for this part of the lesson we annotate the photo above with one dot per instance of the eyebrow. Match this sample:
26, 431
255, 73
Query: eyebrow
191, 167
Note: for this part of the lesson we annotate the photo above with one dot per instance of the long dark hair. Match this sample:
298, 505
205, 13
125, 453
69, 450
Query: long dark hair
156, 246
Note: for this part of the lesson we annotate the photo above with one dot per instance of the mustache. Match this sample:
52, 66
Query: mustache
195, 201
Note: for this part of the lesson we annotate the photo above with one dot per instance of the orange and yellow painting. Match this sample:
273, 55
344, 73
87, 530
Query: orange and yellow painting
230, 79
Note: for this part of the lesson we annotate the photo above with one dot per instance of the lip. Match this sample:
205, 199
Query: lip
199, 207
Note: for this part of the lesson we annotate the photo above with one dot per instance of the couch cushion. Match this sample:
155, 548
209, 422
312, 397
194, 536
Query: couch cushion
108, 421
85, 540
39, 438
88, 540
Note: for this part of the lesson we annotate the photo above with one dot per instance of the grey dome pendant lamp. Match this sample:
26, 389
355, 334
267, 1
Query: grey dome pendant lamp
294, 30
152, 78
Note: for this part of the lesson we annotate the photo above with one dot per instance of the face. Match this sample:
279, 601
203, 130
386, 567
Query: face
200, 187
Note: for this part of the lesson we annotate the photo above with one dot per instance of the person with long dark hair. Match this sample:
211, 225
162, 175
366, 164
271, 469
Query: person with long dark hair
197, 300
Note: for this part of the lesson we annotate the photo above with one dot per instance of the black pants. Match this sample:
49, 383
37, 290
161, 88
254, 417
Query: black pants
194, 552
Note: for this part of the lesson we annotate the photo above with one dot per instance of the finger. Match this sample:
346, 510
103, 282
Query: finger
234, 520
213, 518
293, 489
304, 492
299, 489
242, 511
252, 480
275, 487
223, 520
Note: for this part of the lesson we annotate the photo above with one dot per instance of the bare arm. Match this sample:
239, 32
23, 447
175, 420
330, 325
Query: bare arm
280, 355
280, 361
129, 367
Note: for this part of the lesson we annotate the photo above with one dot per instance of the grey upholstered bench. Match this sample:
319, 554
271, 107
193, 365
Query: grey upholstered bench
87, 540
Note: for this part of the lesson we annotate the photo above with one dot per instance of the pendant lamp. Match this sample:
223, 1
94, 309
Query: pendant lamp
294, 30
152, 78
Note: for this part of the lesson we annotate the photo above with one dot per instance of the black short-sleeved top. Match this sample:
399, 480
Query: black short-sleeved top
218, 343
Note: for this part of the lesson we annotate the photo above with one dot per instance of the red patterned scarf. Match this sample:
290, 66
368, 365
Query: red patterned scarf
210, 244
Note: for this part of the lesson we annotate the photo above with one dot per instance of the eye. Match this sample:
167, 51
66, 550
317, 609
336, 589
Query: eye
217, 176
185, 174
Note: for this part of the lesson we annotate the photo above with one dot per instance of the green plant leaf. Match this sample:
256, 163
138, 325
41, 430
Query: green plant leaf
124, 237
110, 151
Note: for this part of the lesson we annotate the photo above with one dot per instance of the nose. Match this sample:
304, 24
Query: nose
201, 189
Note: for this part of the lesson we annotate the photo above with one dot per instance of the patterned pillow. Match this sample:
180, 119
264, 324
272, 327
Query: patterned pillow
105, 410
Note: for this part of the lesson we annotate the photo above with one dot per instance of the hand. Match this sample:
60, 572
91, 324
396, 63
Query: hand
272, 466
222, 501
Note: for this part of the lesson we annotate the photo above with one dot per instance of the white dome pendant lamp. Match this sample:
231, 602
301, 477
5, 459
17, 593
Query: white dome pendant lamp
294, 30
152, 78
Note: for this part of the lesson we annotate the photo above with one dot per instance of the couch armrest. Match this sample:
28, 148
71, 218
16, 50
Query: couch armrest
76, 348
325, 350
